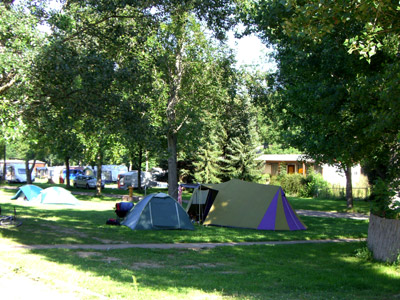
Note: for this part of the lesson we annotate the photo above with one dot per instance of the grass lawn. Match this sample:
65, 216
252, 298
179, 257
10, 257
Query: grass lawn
302, 271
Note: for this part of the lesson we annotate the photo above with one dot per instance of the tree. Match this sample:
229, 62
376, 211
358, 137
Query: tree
319, 90
208, 160
190, 79
19, 39
357, 103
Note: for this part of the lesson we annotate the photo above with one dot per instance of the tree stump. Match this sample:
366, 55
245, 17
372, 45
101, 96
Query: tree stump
384, 238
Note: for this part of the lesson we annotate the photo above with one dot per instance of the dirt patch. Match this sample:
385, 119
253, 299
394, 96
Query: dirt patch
110, 259
203, 265
231, 272
63, 230
146, 265
104, 241
84, 254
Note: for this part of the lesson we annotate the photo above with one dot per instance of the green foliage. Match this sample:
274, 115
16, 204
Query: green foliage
241, 161
208, 160
364, 254
313, 183
386, 203
338, 109
300, 186
292, 184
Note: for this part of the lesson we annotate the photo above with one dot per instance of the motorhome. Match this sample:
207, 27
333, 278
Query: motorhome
109, 173
17, 173
15, 169
73, 172
128, 179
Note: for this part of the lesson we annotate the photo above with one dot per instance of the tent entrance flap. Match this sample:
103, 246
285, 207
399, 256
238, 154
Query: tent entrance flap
200, 203
164, 216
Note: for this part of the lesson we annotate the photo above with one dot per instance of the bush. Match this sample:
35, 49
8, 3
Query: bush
313, 183
385, 199
300, 186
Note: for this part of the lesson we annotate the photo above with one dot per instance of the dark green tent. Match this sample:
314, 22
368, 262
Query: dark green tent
238, 203
157, 211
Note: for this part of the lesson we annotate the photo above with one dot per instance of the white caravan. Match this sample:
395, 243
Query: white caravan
128, 179
17, 173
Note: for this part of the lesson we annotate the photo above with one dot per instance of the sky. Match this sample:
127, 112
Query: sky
252, 52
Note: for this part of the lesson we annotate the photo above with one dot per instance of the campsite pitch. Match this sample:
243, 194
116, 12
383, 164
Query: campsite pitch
295, 266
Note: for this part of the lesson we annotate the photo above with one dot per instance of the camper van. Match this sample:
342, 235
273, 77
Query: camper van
17, 173
128, 179
73, 172
109, 173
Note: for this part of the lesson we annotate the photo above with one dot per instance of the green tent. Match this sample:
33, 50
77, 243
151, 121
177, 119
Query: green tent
242, 204
157, 211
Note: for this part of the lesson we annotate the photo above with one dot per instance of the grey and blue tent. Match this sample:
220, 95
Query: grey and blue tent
157, 211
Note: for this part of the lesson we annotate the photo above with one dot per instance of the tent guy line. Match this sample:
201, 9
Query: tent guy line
169, 246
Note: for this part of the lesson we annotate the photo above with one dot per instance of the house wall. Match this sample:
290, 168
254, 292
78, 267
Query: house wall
338, 178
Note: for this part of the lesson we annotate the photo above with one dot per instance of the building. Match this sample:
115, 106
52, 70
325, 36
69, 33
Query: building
298, 163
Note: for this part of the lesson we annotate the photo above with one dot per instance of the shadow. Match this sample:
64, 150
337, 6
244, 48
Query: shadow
318, 271
301, 271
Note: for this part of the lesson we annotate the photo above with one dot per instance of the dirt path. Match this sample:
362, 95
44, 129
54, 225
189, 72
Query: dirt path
168, 246
327, 214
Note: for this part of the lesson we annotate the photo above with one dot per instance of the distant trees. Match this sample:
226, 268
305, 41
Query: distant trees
322, 97
337, 87
128, 79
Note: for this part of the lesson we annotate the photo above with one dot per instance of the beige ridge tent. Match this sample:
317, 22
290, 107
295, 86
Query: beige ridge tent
242, 204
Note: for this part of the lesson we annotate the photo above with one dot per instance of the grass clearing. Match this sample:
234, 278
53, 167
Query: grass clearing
86, 224
299, 271
319, 271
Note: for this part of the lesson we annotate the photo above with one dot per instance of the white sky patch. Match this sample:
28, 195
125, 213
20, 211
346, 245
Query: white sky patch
251, 52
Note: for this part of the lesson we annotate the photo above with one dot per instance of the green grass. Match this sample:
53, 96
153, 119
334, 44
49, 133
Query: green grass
319, 271
359, 206
86, 225
299, 271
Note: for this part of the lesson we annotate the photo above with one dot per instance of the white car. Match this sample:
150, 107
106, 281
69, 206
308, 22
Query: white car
86, 181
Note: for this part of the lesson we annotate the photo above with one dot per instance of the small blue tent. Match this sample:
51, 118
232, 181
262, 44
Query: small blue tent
157, 211
30, 191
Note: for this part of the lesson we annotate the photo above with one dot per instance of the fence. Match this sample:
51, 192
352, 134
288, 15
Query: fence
340, 193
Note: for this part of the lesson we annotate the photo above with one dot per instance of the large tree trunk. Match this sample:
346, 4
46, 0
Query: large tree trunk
27, 172
384, 238
349, 187
172, 166
67, 172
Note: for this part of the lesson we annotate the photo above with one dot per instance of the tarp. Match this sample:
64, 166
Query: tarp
242, 204
55, 195
157, 211
195, 207
29, 191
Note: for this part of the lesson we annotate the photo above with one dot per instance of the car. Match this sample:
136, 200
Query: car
86, 181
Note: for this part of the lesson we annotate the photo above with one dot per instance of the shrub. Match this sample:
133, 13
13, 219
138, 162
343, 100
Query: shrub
300, 186
313, 183
290, 183
386, 201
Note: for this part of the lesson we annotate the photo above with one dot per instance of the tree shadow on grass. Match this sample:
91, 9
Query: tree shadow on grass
317, 271
63, 225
